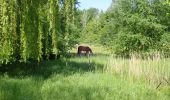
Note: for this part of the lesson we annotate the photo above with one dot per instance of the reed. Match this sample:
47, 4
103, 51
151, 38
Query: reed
154, 70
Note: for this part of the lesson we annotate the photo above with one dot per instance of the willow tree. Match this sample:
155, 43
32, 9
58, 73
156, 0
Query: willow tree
1, 4
54, 23
7, 29
68, 21
31, 29
40, 27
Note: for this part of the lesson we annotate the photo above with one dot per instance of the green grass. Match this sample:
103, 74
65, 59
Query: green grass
20, 89
154, 71
99, 77
98, 87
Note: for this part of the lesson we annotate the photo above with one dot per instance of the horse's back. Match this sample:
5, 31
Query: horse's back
82, 47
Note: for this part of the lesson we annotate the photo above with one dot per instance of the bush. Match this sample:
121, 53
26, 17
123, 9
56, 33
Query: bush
165, 42
125, 44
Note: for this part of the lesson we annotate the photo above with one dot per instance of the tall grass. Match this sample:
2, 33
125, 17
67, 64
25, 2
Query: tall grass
97, 87
155, 71
20, 89
99, 77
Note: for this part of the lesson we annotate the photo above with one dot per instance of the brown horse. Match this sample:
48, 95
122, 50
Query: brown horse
84, 48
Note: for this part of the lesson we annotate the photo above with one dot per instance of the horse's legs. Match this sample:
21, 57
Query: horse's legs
87, 53
79, 53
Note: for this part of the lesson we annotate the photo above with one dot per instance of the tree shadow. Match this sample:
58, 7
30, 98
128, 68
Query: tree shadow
46, 68
72, 55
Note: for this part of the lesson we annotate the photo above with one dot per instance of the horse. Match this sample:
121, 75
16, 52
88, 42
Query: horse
84, 48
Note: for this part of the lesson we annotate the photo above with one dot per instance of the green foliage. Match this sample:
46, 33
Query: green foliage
8, 31
68, 26
165, 44
90, 33
134, 26
31, 29
88, 22
126, 44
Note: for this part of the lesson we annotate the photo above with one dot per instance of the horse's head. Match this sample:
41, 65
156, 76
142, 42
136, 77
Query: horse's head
90, 50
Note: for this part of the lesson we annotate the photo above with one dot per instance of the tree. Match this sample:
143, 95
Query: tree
89, 25
134, 26
33, 29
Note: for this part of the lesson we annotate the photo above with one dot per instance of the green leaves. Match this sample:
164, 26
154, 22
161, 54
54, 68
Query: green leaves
134, 26
31, 29
165, 43
7, 30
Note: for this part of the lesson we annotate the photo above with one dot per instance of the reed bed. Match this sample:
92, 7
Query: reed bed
155, 70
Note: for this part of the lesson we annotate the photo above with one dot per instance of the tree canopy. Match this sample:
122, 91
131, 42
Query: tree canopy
130, 26
33, 29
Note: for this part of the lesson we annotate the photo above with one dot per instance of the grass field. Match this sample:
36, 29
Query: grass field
99, 77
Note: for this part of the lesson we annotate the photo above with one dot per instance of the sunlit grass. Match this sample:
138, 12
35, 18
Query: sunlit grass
98, 77
98, 87
154, 71
96, 48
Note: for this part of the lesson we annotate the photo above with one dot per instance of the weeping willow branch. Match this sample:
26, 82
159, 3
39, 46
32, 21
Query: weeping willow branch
30, 29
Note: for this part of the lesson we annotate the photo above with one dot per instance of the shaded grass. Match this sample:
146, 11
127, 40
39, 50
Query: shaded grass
23, 81
20, 89
47, 68
75, 78
87, 86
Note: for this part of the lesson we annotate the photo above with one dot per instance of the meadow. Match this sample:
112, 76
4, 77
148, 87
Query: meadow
33, 31
99, 77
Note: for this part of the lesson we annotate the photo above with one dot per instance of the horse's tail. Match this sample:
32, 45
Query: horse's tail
78, 50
